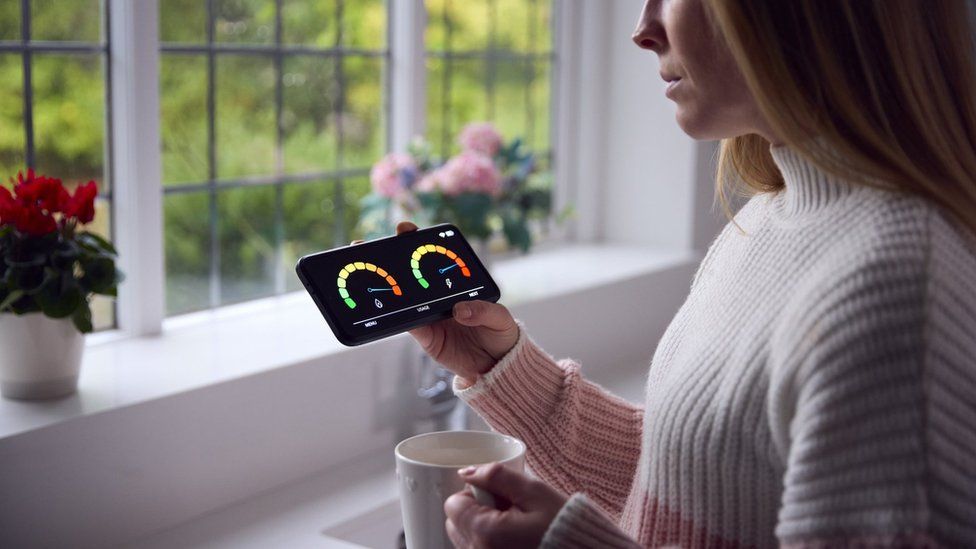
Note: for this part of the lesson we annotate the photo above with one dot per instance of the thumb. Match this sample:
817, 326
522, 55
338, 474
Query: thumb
499, 480
483, 313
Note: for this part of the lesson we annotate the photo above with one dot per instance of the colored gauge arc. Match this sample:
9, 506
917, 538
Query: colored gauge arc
431, 248
363, 266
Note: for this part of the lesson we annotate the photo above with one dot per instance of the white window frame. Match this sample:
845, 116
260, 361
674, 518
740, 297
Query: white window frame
136, 163
136, 159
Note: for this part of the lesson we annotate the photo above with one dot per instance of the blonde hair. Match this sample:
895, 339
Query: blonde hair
869, 90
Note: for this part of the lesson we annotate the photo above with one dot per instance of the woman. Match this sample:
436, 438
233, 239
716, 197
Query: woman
817, 386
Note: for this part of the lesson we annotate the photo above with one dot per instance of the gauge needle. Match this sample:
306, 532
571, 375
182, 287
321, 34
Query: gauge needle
448, 268
371, 290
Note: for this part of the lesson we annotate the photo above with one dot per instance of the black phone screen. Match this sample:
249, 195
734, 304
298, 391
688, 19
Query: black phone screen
382, 287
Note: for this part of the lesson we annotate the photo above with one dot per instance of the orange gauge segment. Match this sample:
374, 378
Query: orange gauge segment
342, 282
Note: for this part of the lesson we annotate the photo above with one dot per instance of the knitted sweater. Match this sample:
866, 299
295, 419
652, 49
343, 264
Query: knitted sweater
817, 388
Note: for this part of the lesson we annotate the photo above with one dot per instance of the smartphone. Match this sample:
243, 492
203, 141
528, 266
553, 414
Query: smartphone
383, 287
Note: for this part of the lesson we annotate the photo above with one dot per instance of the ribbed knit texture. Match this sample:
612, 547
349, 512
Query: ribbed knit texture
816, 389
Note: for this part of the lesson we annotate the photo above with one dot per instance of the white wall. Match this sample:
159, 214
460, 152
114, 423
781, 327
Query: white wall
638, 179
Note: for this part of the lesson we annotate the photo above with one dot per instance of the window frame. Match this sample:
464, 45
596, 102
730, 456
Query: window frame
135, 58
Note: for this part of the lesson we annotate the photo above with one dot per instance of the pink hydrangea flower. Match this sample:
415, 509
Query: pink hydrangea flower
481, 137
468, 172
429, 183
388, 176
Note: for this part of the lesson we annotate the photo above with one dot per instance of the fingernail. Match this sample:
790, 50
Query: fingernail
462, 311
466, 471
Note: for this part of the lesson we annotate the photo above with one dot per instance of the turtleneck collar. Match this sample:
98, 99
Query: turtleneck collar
808, 188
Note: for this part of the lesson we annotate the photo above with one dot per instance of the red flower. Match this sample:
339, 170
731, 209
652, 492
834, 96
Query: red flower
9, 209
82, 205
46, 193
34, 221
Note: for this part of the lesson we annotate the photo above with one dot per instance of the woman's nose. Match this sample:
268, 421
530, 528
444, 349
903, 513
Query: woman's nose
649, 33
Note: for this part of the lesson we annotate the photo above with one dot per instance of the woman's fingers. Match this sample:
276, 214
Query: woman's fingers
473, 521
483, 313
500, 481
405, 227
424, 335
456, 538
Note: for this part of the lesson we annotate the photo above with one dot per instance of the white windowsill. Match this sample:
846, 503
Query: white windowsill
203, 349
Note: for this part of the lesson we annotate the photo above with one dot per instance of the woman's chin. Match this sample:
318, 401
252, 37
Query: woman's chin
694, 126
700, 126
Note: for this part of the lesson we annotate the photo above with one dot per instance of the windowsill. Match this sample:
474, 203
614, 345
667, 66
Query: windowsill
208, 348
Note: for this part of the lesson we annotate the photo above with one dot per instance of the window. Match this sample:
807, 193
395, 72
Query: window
489, 60
55, 115
271, 115
272, 112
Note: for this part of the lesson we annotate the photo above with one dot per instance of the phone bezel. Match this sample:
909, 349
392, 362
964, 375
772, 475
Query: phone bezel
491, 291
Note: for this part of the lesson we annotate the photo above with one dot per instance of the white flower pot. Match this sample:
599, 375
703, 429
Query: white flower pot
39, 356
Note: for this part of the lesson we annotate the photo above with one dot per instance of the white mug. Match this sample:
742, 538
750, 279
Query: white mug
426, 470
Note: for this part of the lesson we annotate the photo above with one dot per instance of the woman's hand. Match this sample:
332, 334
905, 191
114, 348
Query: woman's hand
469, 344
531, 506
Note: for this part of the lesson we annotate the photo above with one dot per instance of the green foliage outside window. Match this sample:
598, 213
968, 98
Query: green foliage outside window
320, 95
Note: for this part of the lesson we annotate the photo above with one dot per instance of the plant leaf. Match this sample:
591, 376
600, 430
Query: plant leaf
93, 239
10, 299
516, 230
99, 274
60, 299
82, 318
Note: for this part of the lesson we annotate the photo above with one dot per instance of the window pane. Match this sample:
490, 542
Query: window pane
364, 24
250, 21
183, 120
353, 190
69, 117
363, 136
437, 102
245, 116
468, 96
542, 26
103, 307
310, 224
245, 219
511, 110
311, 91
9, 19
457, 24
455, 89
540, 106
73, 20
183, 21
187, 240
310, 22
513, 24
11, 116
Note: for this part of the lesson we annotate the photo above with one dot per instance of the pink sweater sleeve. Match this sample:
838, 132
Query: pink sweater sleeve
580, 438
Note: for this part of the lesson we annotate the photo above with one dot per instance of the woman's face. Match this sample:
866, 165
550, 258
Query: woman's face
703, 79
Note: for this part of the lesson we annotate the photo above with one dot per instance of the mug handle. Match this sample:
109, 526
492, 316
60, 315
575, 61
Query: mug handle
482, 496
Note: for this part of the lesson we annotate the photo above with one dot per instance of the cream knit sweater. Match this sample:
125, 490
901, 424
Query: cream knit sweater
817, 388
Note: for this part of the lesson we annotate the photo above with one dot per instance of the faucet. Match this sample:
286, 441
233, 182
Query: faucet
426, 398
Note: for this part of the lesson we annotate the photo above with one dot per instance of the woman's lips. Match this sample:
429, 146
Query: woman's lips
669, 90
